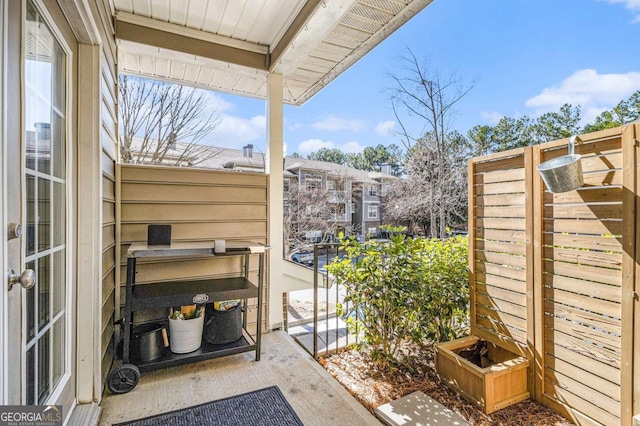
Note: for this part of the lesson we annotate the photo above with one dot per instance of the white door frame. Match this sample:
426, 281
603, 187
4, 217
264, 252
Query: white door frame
70, 197
3, 212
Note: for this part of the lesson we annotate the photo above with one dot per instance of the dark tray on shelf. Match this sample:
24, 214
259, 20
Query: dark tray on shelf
177, 293
206, 351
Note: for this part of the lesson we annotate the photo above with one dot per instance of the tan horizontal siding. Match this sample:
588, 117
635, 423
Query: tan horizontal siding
200, 205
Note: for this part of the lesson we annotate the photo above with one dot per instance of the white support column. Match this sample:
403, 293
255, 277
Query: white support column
89, 318
273, 167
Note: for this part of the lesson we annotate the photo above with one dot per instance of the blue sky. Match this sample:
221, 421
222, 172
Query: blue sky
525, 57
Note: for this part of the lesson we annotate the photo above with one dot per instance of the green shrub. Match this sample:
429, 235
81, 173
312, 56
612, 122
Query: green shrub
404, 290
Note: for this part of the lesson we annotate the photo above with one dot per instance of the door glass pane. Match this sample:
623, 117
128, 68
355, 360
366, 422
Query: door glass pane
31, 376
58, 354
43, 367
46, 215
31, 304
44, 292
59, 268
59, 218
30, 189
44, 218
58, 130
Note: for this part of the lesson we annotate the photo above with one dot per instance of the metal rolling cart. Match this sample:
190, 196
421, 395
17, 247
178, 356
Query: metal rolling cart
125, 377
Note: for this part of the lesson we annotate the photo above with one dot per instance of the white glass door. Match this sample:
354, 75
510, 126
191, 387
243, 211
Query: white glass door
46, 318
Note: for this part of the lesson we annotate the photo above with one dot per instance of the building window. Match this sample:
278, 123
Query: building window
373, 232
286, 184
353, 207
312, 181
372, 212
373, 191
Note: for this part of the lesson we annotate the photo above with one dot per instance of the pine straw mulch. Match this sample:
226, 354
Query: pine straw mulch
371, 388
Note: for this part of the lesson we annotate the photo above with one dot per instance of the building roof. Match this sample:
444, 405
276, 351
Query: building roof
232, 45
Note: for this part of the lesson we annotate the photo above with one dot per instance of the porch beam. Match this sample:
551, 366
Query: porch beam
274, 166
307, 31
294, 29
181, 39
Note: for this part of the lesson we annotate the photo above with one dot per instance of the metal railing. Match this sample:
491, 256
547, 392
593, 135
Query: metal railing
337, 338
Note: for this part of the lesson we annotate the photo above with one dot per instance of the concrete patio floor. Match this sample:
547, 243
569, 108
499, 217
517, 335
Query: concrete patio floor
315, 396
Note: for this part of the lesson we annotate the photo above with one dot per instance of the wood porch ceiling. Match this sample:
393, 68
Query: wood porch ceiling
232, 45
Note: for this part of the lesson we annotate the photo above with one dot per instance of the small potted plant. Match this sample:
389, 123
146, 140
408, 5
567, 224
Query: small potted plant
185, 328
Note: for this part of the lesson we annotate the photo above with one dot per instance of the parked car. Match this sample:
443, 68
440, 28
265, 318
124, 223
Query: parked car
306, 258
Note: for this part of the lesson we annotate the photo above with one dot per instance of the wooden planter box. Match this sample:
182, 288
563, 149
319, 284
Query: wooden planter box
491, 388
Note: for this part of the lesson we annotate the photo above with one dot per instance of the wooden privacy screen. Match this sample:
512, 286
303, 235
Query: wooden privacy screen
553, 275
200, 205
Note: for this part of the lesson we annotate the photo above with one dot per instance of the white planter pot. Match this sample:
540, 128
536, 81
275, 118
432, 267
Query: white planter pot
185, 335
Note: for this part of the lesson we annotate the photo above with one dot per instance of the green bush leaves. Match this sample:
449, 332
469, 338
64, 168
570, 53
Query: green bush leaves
404, 290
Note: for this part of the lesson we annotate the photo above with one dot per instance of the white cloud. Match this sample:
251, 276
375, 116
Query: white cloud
632, 5
592, 91
492, 117
312, 145
384, 128
235, 132
296, 126
352, 146
332, 123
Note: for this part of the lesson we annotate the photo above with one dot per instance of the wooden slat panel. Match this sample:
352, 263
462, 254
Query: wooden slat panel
611, 194
577, 408
499, 200
585, 211
599, 306
604, 160
583, 272
501, 188
602, 402
176, 213
501, 211
181, 193
501, 247
588, 334
502, 282
507, 163
501, 306
585, 257
510, 224
594, 227
578, 345
590, 242
502, 329
605, 177
594, 142
580, 316
501, 317
500, 270
606, 388
588, 288
501, 294
501, 259
578, 358
501, 235
499, 176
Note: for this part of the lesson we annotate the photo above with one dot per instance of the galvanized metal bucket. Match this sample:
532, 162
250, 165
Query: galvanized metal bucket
564, 173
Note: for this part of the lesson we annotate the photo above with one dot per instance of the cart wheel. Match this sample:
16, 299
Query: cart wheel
123, 378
